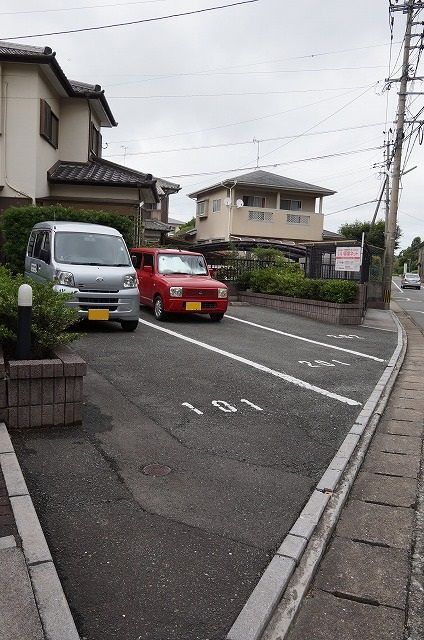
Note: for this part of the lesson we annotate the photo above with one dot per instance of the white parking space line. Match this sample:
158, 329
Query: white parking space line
366, 326
296, 337
255, 365
398, 287
413, 311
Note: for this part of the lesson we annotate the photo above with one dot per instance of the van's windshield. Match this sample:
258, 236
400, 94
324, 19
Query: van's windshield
91, 249
181, 263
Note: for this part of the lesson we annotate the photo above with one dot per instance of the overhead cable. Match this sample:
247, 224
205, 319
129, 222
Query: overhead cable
131, 22
234, 144
275, 164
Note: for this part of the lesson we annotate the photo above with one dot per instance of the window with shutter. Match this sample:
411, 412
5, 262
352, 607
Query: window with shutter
49, 124
95, 141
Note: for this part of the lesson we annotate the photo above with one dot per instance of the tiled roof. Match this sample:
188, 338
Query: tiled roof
331, 235
11, 48
271, 180
84, 87
168, 187
12, 52
268, 179
100, 172
156, 225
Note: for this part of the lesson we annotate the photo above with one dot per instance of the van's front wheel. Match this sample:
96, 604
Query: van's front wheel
129, 325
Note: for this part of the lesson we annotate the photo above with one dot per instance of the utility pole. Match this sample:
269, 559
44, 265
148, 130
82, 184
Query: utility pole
390, 231
387, 182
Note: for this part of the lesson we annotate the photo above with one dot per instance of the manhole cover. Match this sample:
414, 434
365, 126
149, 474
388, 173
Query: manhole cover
156, 470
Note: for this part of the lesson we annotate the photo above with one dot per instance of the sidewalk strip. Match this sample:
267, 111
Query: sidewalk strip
323, 509
53, 608
296, 337
255, 365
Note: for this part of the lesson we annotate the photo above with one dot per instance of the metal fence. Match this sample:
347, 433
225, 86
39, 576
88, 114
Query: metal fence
321, 262
231, 269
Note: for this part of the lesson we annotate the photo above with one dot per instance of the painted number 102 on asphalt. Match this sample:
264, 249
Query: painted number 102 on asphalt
223, 405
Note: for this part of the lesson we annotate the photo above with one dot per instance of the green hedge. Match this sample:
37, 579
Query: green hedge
245, 281
284, 282
17, 222
50, 315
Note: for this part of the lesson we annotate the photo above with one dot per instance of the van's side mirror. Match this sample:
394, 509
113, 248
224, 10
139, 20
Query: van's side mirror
148, 268
211, 272
136, 260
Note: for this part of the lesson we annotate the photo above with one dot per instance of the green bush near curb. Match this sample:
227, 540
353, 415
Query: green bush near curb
292, 283
17, 222
50, 316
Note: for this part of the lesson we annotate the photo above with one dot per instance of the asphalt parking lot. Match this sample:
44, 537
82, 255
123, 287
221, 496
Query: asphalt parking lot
243, 417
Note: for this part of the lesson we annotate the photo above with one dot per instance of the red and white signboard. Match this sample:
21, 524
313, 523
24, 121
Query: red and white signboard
348, 259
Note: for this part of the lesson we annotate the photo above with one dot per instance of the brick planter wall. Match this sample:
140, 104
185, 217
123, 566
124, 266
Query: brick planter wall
42, 393
332, 312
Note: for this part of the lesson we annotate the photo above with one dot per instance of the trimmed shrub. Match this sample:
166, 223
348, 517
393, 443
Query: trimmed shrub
251, 279
50, 315
338, 290
283, 282
17, 222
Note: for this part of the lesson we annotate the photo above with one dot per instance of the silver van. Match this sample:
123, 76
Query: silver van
89, 261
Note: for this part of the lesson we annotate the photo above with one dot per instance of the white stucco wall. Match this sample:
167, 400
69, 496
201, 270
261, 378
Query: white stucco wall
24, 155
236, 220
215, 225
74, 130
20, 117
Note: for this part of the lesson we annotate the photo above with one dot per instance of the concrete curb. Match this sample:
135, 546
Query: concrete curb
306, 541
53, 609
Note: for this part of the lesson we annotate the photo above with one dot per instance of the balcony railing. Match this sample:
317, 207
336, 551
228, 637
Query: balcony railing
281, 216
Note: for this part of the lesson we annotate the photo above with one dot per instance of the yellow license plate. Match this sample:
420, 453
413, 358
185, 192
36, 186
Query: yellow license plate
98, 314
193, 306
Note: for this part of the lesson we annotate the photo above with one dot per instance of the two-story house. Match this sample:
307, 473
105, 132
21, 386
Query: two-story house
260, 205
51, 143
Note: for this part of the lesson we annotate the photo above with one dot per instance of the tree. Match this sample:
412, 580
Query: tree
410, 256
269, 254
187, 226
373, 235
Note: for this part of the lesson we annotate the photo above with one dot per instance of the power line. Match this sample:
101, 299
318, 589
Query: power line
318, 123
90, 6
201, 95
269, 61
233, 144
233, 94
403, 213
240, 73
354, 206
233, 124
276, 164
125, 24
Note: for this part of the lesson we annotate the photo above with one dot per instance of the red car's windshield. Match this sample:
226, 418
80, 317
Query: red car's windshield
169, 263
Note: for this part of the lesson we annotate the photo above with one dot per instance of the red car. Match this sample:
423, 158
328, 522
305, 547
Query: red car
173, 281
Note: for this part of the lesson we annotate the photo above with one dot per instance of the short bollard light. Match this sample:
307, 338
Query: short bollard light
23, 347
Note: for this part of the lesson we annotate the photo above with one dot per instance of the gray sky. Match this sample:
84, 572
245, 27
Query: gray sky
298, 67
